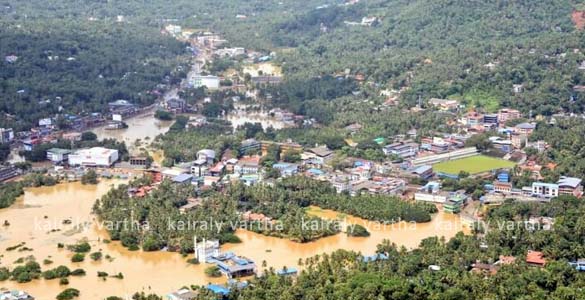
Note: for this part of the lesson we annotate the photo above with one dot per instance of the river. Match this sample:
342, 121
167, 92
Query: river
41, 209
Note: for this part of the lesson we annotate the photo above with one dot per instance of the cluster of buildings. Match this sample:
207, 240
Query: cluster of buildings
90, 157
503, 188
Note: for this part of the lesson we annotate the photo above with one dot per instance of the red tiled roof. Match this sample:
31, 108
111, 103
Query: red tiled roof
535, 257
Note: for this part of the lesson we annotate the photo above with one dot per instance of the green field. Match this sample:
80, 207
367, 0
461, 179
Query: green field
472, 165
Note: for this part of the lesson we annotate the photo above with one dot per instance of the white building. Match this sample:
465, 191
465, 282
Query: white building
94, 157
542, 189
209, 81
431, 197
57, 155
206, 249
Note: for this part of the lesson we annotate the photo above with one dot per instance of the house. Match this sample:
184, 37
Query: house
57, 155
353, 128
321, 154
211, 180
484, 269
206, 155
535, 258
172, 173
94, 157
286, 169
183, 294
6, 135
401, 149
217, 169
525, 128
506, 114
182, 178
248, 165
191, 204
444, 104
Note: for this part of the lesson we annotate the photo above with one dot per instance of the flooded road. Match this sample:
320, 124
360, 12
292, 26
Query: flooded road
41, 209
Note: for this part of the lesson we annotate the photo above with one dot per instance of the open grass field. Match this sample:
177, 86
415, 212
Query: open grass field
472, 165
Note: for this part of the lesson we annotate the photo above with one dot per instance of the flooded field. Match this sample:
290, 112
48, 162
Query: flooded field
40, 210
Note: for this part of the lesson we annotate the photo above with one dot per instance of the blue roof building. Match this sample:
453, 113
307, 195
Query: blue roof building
287, 272
182, 178
218, 289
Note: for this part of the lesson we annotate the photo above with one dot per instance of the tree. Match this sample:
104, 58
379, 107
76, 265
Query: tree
88, 136
90, 177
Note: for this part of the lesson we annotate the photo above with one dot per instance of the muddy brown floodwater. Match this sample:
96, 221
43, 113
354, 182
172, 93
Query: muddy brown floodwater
41, 209
139, 128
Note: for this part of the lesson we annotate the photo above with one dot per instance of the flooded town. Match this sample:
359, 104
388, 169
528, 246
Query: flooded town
222, 166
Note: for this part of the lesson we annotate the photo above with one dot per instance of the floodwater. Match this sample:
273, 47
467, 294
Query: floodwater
144, 128
279, 253
241, 117
41, 209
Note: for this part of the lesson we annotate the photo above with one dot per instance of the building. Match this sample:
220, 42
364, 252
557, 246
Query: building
250, 145
402, 149
205, 250
94, 157
457, 154
525, 128
503, 145
570, 186
182, 294
209, 81
454, 203
423, 172
542, 189
431, 197
57, 155
176, 106
286, 169
321, 154
206, 155
535, 258
139, 161
490, 119
248, 165
506, 114
6, 135
444, 104
267, 80
8, 172
182, 178
15, 295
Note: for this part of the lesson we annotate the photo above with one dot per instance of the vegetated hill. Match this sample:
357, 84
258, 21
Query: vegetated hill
445, 48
